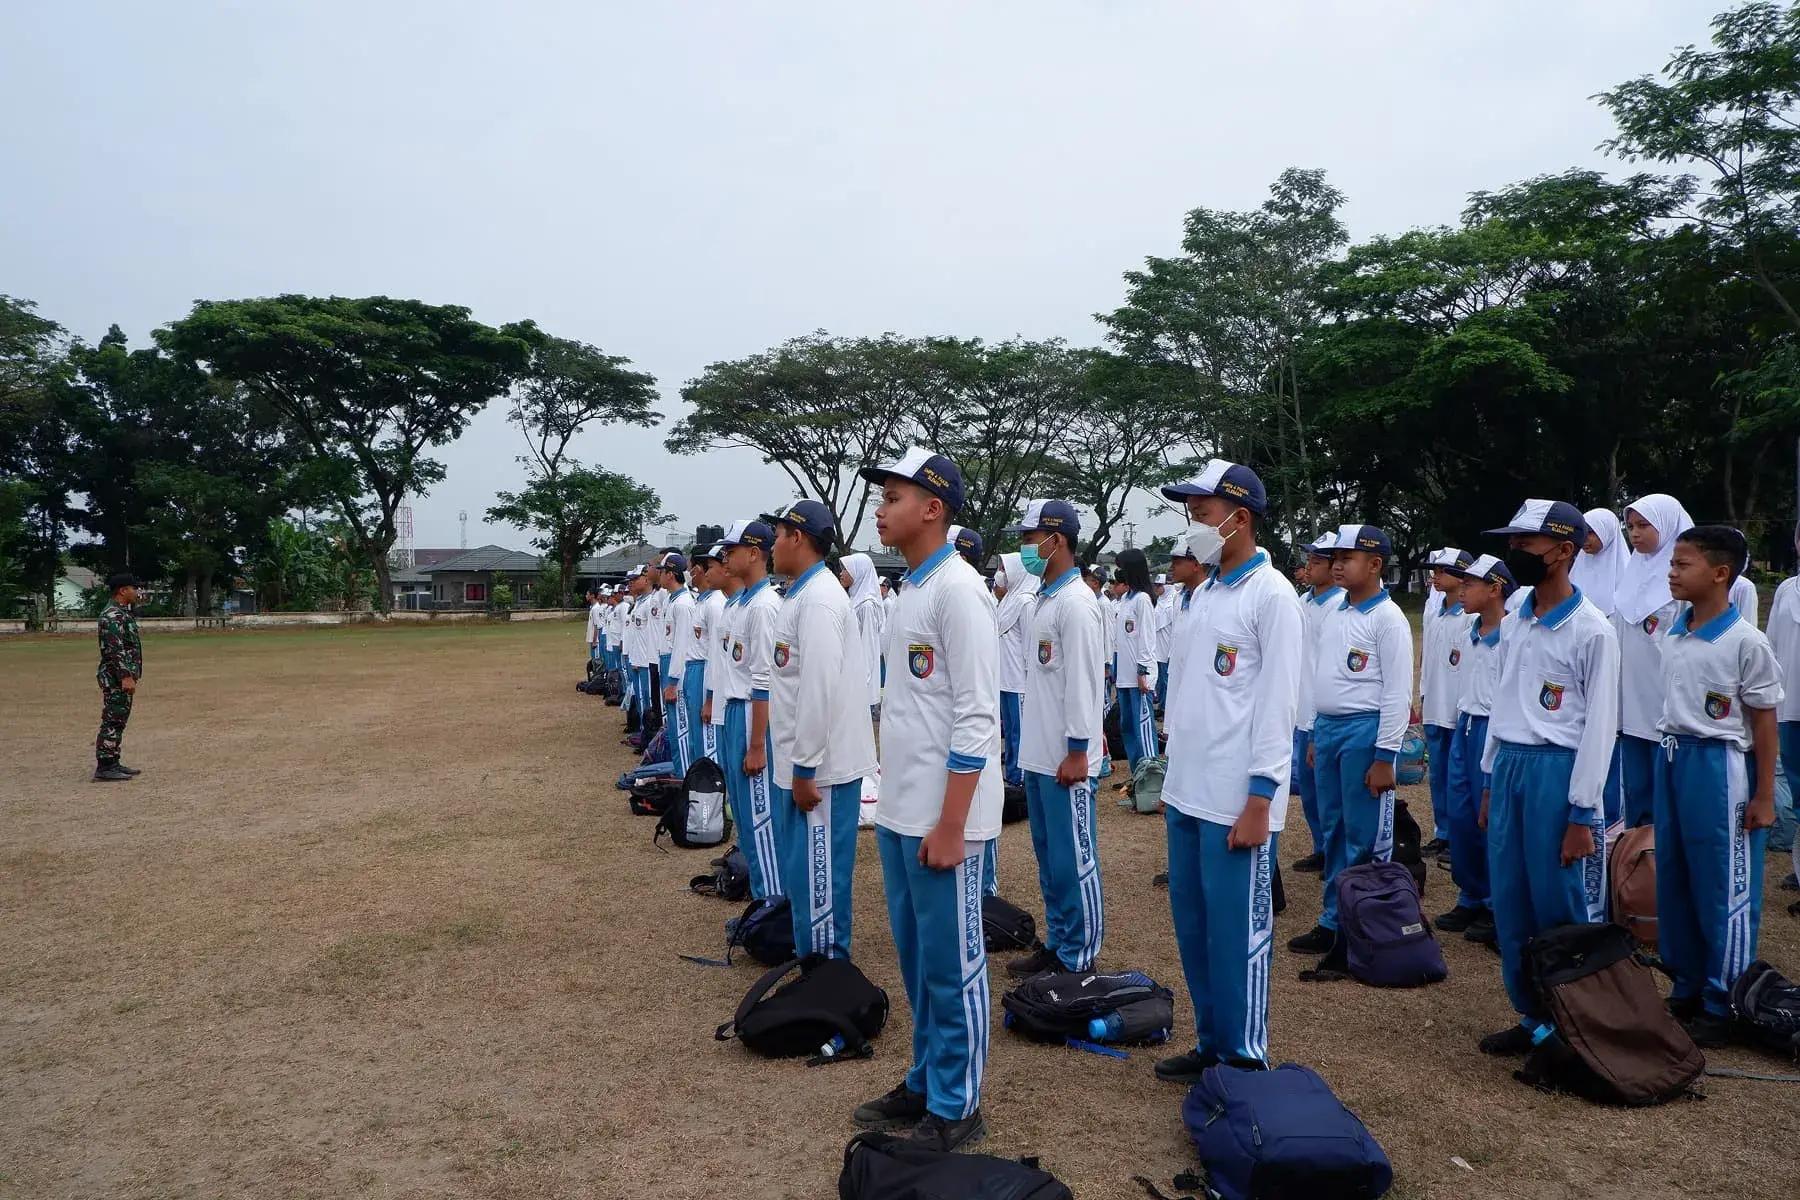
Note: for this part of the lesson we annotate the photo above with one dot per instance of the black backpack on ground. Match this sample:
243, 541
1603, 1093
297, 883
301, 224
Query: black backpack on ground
1058, 1005
1766, 1007
830, 999
766, 930
1613, 1042
1115, 732
652, 797
696, 818
1012, 806
729, 879
632, 722
880, 1166
1409, 846
1005, 927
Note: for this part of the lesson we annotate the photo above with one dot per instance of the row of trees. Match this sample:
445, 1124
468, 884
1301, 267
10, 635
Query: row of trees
1573, 335
184, 460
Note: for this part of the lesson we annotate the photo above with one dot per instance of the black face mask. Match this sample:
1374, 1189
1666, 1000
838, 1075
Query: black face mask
1527, 568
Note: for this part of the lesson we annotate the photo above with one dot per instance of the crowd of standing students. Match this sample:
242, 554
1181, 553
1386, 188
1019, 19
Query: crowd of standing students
1570, 685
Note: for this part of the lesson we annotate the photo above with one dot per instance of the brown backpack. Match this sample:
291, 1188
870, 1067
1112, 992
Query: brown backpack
1614, 1042
1631, 882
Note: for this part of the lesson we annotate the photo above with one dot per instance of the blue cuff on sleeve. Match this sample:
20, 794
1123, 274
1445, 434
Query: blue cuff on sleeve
1487, 783
1580, 816
760, 694
1262, 785
1077, 744
965, 764
1390, 757
709, 693
801, 772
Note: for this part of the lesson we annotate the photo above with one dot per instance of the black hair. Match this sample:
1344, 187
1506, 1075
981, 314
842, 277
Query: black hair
834, 565
1720, 545
820, 542
1133, 569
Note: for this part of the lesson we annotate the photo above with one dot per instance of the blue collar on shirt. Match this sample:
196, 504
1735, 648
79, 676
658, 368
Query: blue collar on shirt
1187, 596
1475, 635
1237, 574
1062, 581
1451, 610
1315, 596
1368, 605
1712, 631
706, 593
805, 576
1557, 617
919, 574
744, 594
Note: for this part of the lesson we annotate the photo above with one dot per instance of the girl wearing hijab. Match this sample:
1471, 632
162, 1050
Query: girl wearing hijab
1134, 670
865, 601
1601, 563
1015, 604
1643, 611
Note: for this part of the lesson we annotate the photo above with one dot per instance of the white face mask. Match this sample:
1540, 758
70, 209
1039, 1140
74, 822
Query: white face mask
1207, 543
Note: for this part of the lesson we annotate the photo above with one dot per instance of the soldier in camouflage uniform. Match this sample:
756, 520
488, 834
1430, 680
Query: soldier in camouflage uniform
121, 666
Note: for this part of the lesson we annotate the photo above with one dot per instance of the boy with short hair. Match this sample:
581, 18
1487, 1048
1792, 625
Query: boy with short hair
750, 628
716, 604
940, 801
824, 739
1721, 686
1321, 595
678, 617
1549, 747
1362, 697
1443, 623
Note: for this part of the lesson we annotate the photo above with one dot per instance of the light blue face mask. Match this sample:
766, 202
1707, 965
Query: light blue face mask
1033, 562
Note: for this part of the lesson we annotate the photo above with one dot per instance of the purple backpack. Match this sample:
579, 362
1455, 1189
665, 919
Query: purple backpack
1387, 940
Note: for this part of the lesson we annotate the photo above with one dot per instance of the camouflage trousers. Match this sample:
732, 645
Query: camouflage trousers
115, 710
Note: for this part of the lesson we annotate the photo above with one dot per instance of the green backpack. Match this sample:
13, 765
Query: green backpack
1146, 784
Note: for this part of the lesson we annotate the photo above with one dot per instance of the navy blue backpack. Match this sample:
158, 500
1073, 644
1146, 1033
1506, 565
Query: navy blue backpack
1280, 1134
1387, 940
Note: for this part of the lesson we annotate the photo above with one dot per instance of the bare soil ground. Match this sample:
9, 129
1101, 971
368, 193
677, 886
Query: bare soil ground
375, 923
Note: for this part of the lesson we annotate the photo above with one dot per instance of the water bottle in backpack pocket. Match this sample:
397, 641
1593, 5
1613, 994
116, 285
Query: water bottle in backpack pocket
1059, 1005
1387, 940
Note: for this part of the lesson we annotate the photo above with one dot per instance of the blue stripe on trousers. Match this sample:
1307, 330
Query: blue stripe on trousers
1709, 870
818, 859
751, 803
1437, 767
1223, 909
936, 920
1359, 828
1068, 855
1528, 815
1468, 840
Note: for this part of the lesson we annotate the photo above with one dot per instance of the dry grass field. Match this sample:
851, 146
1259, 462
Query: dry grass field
375, 923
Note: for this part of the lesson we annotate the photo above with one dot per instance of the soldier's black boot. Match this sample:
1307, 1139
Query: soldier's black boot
111, 774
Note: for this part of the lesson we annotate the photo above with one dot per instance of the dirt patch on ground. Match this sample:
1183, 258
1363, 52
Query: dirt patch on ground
374, 922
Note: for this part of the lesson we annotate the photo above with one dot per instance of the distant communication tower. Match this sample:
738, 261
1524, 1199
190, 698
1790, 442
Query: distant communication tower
401, 556
463, 518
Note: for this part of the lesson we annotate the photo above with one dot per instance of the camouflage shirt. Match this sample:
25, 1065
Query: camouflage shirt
121, 652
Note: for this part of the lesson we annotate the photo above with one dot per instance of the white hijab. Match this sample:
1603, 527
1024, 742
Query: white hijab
865, 585
1598, 575
1644, 583
1021, 586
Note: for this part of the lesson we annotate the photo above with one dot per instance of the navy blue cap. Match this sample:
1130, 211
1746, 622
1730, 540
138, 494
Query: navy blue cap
1234, 482
1049, 516
716, 552
967, 542
1363, 537
808, 516
933, 472
1552, 518
1486, 569
674, 561
749, 533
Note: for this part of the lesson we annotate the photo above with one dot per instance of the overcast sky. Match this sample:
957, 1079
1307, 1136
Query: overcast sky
681, 183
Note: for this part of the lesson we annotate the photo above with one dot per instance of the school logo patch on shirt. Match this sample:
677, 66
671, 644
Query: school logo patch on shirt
737, 652
781, 654
1130, 625
1357, 660
1550, 696
1225, 659
1718, 705
699, 633
1649, 624
920, 660
1046, 651
1455, 657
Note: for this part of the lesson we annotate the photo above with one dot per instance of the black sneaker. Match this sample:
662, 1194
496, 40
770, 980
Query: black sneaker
1312, 864
1435, 846
1791, 883
1036, 963
1513, 1041
1186, 1068
1160, 879
1708, 1030
1683, 1008
1444, 862
1316, 940
132, 771
935, 1133
899, 1108
1482, 931
1457, 919
112, 774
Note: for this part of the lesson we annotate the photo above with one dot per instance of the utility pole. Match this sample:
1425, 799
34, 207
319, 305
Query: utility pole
1130, 534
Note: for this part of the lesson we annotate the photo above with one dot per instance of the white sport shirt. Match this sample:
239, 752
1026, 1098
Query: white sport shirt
1476, 664
1556, 670
818, 699
634, 631
1135, 639
1438, 695
734, 675
753, 638
940, 712
1640, 669
595, 618
686, 628
1365, 664
1065, 676
1711, 674
1314, 604
1784, 639
1231, 714
656, 625
1166, 607
718, 650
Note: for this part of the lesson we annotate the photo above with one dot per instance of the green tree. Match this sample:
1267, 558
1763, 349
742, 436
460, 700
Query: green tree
578, 511
34, 445
368, 385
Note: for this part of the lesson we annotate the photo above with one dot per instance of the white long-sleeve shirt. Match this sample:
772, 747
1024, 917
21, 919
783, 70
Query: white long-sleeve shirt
1477, 666
615, 625
1184, 606
1011, 618
1365, 664
1065, 677
594, 624
1559, 686
819, 720
941, 710
634, 631
1640, 669
657, 633
1438, 695
753, 637
1314, 604
718, 651
1166, 606
871, 627
1136, 639
734, 676
1743, 597
1711, 674
1231, 712
1784, 639
687, 629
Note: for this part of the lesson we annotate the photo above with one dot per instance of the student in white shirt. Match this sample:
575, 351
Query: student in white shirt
1321, 595
1600, 566
1188, 575
823, 739
1721, 687
596, 636
724, 587
615, 629
1784, 639
1473, 658
638, 650
657, 642
1167, 597
940, 801
1643, 612
1061, 747
1441, 623
871, 620
684, 648
1362, 697
1021, 590
1231, 730
1549, 747
1134, 670
750, 626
